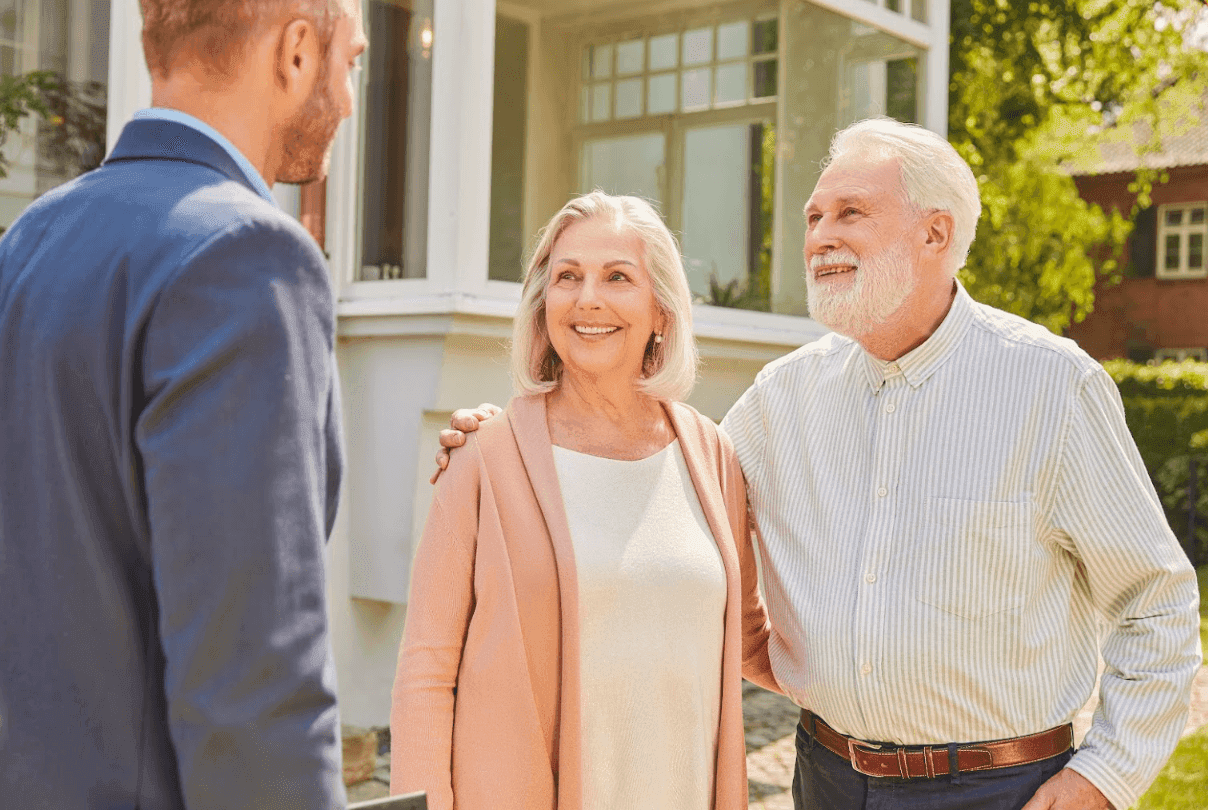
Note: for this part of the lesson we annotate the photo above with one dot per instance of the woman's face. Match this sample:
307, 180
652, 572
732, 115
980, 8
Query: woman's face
600, 308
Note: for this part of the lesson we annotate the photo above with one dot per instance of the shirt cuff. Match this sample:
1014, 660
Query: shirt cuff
1111, 784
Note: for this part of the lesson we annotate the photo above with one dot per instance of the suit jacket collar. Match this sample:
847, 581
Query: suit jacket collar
156, 139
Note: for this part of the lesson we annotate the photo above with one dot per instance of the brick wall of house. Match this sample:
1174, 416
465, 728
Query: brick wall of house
1141, 315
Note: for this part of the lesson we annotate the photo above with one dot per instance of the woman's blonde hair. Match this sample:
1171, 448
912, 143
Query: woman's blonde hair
669, 370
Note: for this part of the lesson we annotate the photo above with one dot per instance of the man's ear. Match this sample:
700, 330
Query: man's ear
297, 60
939, 227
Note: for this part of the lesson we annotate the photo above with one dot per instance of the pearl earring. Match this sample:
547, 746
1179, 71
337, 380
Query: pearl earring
658, 338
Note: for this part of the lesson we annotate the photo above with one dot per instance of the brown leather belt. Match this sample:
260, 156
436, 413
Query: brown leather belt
930, 761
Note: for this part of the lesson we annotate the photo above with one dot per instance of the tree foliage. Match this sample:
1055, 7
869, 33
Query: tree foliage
1033, 84
72, 137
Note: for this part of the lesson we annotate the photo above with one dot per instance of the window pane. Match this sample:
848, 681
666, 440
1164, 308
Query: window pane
629, 56
585, 103
901, 90
1172, 252
1174, 216
919, 10
601, 61
765, 78
661, 90
698, 46
629, 98
697, 88
727, 213
631, 164
662, 51
507, 238
732, 40
396, 109
731, 83
601, 101
1195, 252
894, 5
1197, 216
71, 41
765, 39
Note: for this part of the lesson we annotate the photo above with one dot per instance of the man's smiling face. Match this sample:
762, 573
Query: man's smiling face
858, 256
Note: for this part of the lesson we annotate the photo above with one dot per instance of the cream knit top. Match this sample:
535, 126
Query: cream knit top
652, 595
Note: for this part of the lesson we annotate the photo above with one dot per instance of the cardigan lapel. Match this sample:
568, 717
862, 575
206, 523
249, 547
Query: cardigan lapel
700, 457
527, 416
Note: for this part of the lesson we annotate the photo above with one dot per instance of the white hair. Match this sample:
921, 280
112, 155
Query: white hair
934, 176
669, 368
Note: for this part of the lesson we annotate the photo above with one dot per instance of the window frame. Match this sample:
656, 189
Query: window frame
1197, 353
1184, 231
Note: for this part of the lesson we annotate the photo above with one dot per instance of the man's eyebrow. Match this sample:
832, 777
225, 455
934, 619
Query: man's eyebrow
840, 201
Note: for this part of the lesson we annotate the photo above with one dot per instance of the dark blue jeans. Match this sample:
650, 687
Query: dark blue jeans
823, 781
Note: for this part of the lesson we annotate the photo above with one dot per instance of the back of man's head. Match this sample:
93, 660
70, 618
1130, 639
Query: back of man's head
214, 33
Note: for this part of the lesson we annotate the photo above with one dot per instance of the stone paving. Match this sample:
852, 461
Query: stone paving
771, 722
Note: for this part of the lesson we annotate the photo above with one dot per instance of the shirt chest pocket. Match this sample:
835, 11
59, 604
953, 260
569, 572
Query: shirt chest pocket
978, 557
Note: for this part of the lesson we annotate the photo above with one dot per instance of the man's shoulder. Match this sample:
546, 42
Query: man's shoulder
148, 203
817, 357
1011, 333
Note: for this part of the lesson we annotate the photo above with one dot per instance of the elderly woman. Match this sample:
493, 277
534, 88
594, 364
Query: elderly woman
584, 601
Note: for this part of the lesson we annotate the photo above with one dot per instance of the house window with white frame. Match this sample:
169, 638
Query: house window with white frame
395, 110
1182, 230
687, 118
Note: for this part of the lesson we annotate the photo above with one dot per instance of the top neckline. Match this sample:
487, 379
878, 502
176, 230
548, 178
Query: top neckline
674, 443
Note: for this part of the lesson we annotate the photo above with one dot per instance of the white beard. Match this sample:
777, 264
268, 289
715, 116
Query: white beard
882, 284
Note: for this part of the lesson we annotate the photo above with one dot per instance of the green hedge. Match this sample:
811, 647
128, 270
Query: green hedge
1166, 406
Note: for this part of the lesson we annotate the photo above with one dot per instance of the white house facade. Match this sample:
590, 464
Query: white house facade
477, 120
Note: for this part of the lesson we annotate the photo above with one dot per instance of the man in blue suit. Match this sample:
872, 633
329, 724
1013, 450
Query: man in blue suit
170, 437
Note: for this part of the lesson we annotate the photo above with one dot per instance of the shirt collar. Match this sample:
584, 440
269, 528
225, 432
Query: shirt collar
921, 362
245, 165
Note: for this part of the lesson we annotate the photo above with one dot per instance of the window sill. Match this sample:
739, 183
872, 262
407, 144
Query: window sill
491, 315
1194, 276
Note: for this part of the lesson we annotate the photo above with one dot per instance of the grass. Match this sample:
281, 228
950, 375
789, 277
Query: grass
1183, 783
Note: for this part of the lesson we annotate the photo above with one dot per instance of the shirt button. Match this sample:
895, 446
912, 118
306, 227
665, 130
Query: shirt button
870, 578
882, 492
890, 408
866, 669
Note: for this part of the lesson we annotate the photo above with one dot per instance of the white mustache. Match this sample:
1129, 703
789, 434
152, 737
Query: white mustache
834, 257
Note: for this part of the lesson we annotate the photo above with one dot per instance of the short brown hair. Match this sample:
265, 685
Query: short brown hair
217, 31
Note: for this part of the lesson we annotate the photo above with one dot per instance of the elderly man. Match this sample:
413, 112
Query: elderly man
170, 436
955, 522
950, 505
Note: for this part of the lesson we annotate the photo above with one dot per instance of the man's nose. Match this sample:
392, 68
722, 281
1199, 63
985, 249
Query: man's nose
821, 236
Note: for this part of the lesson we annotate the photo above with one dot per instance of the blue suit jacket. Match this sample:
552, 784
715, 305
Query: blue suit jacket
169, 466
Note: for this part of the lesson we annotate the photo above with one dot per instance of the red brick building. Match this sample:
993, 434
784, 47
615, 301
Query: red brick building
1160, 309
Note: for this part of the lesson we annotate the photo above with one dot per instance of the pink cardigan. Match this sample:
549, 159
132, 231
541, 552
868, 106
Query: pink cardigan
486, 697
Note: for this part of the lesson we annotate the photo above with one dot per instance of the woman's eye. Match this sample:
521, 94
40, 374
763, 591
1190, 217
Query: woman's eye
618, 277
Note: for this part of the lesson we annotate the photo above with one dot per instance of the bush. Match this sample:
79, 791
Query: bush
1166, 406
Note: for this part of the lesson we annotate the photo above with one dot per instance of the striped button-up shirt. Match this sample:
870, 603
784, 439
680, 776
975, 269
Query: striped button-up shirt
944, 537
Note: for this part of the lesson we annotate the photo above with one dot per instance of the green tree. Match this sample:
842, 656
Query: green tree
1032, 83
